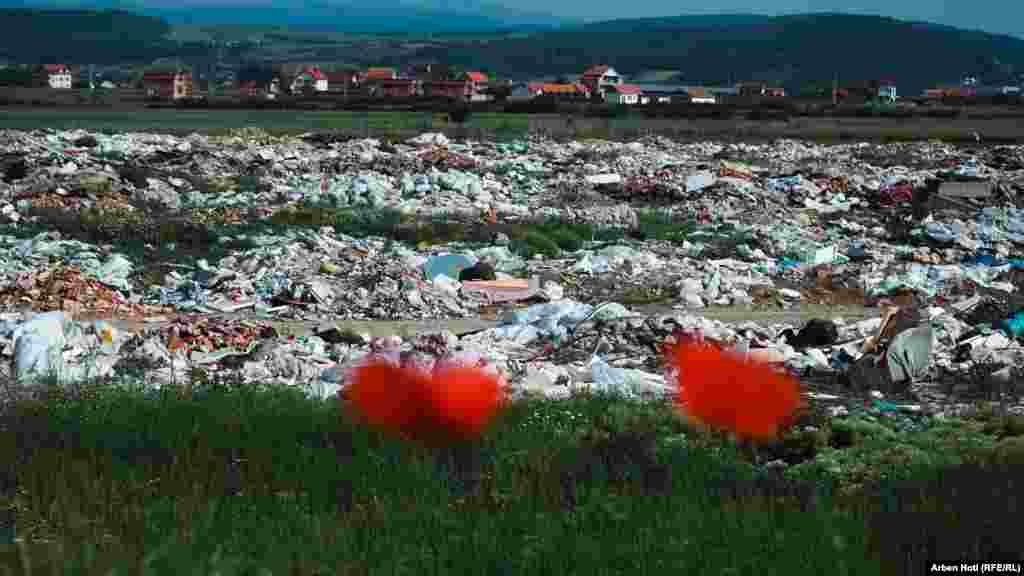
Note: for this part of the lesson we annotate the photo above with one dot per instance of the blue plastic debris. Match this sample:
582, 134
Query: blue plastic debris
1015, 325
448, 264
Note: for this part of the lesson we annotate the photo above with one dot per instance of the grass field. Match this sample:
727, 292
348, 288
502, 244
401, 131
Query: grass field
267, 482
274, 121
216, 478
399, 124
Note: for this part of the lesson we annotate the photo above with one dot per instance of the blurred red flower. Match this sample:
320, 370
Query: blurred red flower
723, 390
446, 405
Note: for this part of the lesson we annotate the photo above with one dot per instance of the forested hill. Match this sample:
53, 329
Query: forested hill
791, 50
81, 36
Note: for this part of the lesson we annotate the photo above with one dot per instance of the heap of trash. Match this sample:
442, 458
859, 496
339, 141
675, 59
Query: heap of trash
886, 272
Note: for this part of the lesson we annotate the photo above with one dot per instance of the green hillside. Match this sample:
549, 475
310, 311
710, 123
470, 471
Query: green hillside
791, 50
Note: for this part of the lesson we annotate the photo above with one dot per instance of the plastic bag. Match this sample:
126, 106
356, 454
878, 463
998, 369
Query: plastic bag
38, 346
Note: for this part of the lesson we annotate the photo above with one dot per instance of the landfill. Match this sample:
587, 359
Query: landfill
886, 273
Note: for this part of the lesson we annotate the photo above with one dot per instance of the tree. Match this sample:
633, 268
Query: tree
500, 91
16, 76
458, 112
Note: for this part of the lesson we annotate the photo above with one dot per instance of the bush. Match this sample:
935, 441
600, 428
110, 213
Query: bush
458, 114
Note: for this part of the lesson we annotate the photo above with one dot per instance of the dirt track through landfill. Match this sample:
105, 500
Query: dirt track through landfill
796, 316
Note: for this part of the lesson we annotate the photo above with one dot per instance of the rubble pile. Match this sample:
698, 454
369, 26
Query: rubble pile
886, 272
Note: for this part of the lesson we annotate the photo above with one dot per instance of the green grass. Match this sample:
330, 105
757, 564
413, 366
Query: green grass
273, 121
184, 239
246, 479
250, 480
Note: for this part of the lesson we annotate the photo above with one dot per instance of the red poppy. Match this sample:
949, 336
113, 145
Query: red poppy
723, 390
446, 405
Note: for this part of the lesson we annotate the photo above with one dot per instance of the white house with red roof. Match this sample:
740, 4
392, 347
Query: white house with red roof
310, 78
599, 78
58, 76
623, 94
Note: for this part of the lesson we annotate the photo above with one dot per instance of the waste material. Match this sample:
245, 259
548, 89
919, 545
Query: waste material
892, 267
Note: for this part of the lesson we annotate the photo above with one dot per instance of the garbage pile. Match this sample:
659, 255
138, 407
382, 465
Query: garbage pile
890, 271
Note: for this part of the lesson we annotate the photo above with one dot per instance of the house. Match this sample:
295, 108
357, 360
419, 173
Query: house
253, 89
599, 78
751, 88
701, 95
309, 79
623, 94
663, 93
563, 91
887, 90
168, 84
451, 89
342, 81
58, 76
477, 83
378, 74
396, 88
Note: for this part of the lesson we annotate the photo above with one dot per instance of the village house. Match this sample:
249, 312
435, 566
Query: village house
701, 95
663, 93
623, 94
887, 90
58, 76
309, 79
342, 81
599, 78
167, 84
255, 89
373, 75
451, 89
477, 83
396, 88
751, 88
563, 91
467, 89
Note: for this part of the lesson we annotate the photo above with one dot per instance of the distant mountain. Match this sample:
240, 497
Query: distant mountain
692, 22
789, 50
76, 36
384, 16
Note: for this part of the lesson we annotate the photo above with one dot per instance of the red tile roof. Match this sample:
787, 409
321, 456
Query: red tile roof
315, 73
560, 88
627, 89
380, 73
477, 76
56, 68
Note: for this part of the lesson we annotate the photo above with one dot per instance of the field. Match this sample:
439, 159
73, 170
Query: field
504, 125
273, 121
232, 480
